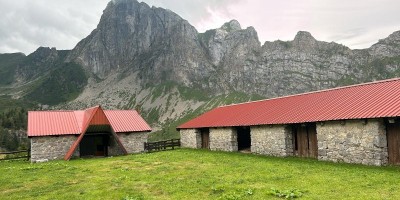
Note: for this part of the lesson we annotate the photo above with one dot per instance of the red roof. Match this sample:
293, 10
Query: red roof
43, 123
369, 100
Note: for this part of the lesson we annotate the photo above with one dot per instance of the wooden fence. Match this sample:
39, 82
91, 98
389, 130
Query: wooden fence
162, 145
16, 155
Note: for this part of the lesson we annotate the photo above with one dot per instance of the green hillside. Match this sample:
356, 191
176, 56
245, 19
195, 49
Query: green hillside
8, 65
196, 174
63, 84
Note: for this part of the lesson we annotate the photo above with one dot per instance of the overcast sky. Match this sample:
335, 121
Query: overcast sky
27, 24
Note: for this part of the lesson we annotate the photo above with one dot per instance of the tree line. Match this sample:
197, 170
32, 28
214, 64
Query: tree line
11, 121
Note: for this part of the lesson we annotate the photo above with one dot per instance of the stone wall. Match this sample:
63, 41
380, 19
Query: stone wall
275, 140
190, 138
350, 141
52, 147
133, 142
353, 141
223, 139
113, 148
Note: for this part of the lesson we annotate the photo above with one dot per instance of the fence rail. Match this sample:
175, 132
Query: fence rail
11, 155
162, 145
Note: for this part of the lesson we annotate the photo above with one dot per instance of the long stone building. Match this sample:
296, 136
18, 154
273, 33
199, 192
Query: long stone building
352, 124
85, 133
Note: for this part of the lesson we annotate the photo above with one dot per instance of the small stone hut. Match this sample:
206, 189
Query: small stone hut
352, 124
85, 133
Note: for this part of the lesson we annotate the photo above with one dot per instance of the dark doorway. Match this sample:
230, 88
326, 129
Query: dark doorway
393, 139
243, 138
305, 140
205, 138
94, 145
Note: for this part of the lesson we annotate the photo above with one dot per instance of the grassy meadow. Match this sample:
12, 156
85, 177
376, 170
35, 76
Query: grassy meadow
196, 174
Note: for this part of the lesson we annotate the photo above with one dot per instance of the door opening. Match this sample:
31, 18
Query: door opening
244, 138
205, 138
94, 145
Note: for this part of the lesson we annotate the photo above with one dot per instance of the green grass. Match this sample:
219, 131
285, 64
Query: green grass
195, 174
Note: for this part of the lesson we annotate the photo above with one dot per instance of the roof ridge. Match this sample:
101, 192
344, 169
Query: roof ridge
317, 91
121, 110
53, 110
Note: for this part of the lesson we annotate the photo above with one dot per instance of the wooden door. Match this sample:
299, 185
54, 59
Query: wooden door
302, 139
393, 139
205, 138
305, 138
312, 141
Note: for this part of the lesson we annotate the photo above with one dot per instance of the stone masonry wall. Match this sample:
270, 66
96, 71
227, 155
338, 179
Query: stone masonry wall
114, 149
353, 141
223, 139
190, 138
133, 142
273, 140
52, 147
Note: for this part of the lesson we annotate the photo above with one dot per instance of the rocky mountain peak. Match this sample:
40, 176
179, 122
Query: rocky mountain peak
387, 47
303, 36
130, 33
393, 38
44, 54
232, 25
151, 58
304, 40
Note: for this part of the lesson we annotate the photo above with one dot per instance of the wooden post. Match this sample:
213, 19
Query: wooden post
29, 154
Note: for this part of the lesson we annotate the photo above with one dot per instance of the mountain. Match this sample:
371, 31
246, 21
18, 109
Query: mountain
151, 59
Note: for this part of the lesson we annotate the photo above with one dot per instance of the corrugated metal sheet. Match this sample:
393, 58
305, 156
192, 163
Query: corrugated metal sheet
79, 114
99, 118
93, 117
42, 123
87, 117
369, 100
126, 121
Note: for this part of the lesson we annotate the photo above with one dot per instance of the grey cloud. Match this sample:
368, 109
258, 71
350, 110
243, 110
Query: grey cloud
26, 25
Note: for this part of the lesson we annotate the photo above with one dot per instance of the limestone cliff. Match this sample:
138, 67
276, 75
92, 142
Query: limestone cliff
157, 46
151, 59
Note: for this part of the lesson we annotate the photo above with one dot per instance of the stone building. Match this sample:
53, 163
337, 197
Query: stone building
352, 124
85, 133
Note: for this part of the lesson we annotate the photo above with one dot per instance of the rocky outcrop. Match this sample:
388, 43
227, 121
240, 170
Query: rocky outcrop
161, 46
388, 47
149, 57
36, 64
132, 37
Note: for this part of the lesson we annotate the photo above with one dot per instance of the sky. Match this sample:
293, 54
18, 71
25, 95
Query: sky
25, 24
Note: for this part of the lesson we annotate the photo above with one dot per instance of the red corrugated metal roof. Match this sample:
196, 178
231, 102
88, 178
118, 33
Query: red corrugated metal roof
126, 120
369, 100
99, 118
93, 116
42, 123
52, 123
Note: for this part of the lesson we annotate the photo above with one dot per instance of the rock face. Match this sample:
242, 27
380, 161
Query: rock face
37, 63
389, 46
150, 58
161, 46
132, 37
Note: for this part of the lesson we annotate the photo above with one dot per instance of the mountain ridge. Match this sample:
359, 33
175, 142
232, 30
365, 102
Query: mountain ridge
151, 59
